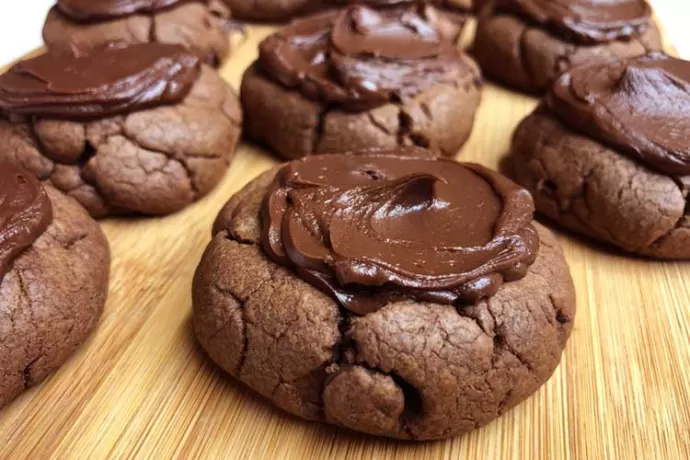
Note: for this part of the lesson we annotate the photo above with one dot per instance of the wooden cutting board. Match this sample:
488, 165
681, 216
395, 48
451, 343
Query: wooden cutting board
141, 386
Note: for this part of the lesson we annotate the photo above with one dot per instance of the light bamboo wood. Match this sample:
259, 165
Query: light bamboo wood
141, 387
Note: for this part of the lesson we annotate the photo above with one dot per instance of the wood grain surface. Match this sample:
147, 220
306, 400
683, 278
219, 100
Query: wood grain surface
142, 388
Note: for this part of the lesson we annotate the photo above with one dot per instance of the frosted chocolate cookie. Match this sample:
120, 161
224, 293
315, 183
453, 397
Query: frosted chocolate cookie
447, 11
79, 26
54, 265
608, 154
390, 293
359, 78
144, 129
526, 44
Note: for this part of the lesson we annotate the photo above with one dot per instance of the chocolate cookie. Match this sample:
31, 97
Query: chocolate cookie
144, 129
80, 26
607, 154
359, 78
282, 10
54, 265
388, 293
527, 44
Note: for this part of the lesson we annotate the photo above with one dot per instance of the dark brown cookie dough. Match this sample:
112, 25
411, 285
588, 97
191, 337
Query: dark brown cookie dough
597, 191
293, 126
439, 116
528, 57
200, 26
411, 370
154, 161
607, 154
52, 297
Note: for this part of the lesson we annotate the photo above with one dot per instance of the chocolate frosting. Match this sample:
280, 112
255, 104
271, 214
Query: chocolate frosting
588, 21
375, 227
640, 106
107, 82
25, 212
87, 10
359, 58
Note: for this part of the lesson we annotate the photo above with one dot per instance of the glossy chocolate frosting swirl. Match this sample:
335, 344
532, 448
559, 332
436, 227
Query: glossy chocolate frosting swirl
640, 106
376, 227
360, 58
86, 10
588, 21
107, 82
25, 212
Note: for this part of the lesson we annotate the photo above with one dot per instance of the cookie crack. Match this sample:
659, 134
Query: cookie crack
412, 398
153, 32
319, 129
344, 344
562, 320
230, 236
89, 152
462, 311
245, 342
500, 342
562, 63
503, 403
40, 147
682, 220
22, 287
378, 124
27, 380
413, 404
73, 241
406, 131
181, 159
524, 63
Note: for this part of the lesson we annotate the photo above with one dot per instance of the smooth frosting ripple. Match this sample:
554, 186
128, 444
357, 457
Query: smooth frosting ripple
25, 212
86, 10
640, 106
376, 227
359, 58
589, 21
106, 82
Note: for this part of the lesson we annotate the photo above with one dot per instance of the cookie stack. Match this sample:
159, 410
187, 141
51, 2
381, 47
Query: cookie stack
371, 282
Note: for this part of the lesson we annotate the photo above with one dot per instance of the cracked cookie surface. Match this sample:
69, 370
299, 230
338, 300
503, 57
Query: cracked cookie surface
52, 297
359, 78
596, 191
199, 26
411, 370
154, 161
529, 58
440, 118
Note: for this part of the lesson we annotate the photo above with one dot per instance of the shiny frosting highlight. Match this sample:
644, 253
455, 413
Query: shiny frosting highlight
589, 21
86, 10
25, 212
373, 228
359, 58
107, 82
640, 106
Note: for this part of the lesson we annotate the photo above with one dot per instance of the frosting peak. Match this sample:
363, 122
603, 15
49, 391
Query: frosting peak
639, 106
25, 212
84, 10
360, 58
107, 82
375, 227
589, 21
